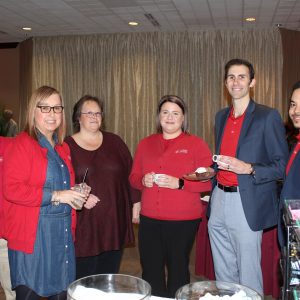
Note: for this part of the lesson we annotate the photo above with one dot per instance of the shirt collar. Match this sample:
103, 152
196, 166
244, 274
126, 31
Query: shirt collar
43, 140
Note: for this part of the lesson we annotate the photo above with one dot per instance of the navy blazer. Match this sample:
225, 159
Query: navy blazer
262, 142
290, 191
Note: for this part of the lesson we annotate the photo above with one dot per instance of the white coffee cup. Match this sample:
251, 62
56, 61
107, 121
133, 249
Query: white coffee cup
156, 177
216, 158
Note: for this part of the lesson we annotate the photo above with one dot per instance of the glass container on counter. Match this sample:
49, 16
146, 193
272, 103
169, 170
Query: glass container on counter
208, 289
109, 287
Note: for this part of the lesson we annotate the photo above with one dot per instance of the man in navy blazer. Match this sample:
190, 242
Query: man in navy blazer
290, 189
251, 155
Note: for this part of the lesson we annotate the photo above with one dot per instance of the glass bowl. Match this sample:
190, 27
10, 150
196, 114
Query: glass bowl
109, 286
194, 291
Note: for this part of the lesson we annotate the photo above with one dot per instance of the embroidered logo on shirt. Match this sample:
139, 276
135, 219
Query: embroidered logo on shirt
185, 151
1, 159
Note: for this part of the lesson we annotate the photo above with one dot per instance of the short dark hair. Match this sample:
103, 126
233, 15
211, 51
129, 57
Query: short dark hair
239, 62
295, 86
77, 110
173, 99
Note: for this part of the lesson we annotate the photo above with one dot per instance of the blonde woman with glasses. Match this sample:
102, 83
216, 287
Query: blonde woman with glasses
39, 210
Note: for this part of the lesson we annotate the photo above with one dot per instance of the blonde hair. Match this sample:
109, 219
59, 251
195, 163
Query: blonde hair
43, 93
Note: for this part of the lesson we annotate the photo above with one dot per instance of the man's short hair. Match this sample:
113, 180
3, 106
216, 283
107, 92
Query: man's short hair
239, 62
296, 86
8, 113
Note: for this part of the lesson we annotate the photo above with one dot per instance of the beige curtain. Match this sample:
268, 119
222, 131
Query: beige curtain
25, 77
132, 71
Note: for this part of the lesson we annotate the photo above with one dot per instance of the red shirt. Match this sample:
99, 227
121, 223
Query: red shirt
4, 142
293, 155
228, 147
174, 157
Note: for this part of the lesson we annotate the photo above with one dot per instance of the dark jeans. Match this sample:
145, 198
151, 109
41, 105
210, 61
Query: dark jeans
105, 263
166, 244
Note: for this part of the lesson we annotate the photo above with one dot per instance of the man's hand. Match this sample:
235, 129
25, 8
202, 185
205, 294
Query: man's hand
232, 164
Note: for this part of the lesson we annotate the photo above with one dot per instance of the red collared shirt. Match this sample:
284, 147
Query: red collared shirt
229, 145
174, 157
293, 155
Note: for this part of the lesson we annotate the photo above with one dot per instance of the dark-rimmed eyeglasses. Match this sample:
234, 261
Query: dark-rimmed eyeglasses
46, 109
91, 114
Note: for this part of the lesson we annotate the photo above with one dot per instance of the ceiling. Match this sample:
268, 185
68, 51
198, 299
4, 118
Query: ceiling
69, 17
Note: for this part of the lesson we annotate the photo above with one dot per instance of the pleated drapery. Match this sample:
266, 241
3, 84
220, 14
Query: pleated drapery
130, 72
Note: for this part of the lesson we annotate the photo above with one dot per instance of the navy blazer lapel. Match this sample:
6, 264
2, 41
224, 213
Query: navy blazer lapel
247, 122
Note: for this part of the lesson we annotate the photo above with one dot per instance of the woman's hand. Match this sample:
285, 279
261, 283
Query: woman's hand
91, 201
167, 181
136, 213
73, 198
148, 179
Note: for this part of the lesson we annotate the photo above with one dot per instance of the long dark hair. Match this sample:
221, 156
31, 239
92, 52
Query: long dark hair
291, 131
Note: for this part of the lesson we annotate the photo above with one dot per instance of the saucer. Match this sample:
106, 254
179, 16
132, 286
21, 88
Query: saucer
203, 176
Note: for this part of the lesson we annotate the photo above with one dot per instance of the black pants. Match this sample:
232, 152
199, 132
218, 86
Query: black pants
105, 263
166, 245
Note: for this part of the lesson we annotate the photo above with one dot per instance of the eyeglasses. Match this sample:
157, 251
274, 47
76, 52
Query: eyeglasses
46, 109
91, 114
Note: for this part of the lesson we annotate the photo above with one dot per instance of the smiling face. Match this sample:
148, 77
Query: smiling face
47, 123
90, 118
294, 110
171, 118
238, 82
